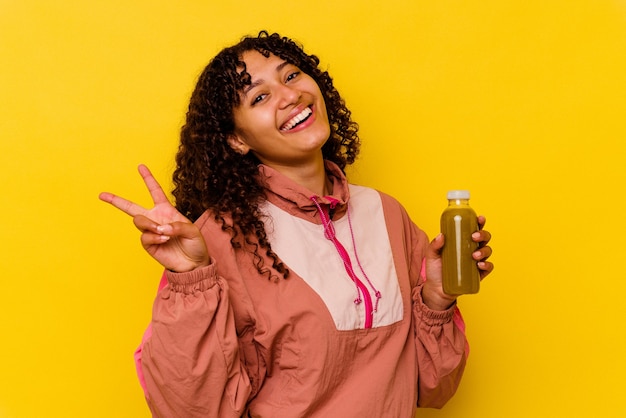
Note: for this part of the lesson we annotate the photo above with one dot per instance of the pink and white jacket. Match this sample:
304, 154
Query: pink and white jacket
345, 335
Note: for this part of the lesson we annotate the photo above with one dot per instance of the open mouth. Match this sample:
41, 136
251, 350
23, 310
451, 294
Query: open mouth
297, 120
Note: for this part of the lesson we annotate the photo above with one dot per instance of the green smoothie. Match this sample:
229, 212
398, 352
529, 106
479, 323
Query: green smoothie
458, 223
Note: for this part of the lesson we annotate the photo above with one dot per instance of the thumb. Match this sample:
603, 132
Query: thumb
190, 242
180, 229
435, 246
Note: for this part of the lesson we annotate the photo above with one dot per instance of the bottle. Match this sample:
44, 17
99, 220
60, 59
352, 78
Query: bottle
458, 223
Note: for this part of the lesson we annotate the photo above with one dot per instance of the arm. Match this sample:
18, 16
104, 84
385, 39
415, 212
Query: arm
441, 346
442, 351
189, 359
191, 363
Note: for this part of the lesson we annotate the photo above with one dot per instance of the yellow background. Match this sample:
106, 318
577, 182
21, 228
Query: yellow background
522, 102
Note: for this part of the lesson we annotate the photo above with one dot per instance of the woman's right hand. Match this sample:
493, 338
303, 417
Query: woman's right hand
168, 236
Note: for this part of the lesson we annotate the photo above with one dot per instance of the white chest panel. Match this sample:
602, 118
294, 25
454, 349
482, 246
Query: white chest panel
302, 246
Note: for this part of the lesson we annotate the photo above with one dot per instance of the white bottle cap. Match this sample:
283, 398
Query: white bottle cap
458, 194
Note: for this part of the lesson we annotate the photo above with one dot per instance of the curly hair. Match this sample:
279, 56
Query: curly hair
210, 175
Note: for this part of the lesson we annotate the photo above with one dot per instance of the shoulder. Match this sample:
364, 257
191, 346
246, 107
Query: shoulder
216, 230
396, 216
367, 195
208, 220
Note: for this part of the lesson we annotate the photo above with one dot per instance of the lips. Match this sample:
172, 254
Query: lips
297, 119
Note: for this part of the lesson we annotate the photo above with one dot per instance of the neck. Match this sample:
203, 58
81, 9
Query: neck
312, 176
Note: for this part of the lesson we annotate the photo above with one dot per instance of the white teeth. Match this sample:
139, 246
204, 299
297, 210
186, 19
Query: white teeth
296, 119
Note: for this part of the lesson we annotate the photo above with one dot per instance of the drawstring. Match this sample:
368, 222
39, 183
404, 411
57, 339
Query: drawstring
376, 292
329, 233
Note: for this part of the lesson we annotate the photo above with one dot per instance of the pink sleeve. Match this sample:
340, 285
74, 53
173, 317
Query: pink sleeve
189, 361
146, 335
440, 342
457, 317
439, 336
441, 349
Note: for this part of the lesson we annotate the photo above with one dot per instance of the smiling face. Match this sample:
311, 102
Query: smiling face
282, 116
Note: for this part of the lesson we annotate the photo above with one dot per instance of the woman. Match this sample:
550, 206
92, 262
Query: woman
292, 293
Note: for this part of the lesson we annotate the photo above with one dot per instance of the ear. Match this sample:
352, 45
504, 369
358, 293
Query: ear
237, 144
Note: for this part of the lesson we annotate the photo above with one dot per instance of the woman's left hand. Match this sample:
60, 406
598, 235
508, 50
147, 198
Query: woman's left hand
432, 292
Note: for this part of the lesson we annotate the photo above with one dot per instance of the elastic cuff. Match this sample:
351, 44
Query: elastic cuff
191, 281
431, 316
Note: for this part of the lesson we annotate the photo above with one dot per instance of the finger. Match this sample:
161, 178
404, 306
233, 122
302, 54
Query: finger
180, 229
122, 204
155, 189
174, 229
485, 268
145, 224
482, 254
481, 222
482, 237
149, 238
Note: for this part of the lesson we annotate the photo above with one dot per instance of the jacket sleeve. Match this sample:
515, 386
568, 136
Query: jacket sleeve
190, 359
439, 336
442, 351
440, 341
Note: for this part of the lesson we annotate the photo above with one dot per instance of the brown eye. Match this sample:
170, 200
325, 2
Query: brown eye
293, 75
258, 99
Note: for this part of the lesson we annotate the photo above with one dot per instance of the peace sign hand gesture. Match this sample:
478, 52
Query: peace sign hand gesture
169, 237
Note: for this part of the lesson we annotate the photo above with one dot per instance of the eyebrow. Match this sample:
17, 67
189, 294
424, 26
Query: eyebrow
259, 82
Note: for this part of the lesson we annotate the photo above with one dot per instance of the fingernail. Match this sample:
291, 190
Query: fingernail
164, 229
476, 235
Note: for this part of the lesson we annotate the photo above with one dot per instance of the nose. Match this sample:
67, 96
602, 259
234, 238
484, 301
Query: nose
288, 95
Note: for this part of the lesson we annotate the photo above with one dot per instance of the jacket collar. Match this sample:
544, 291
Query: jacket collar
296, 199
